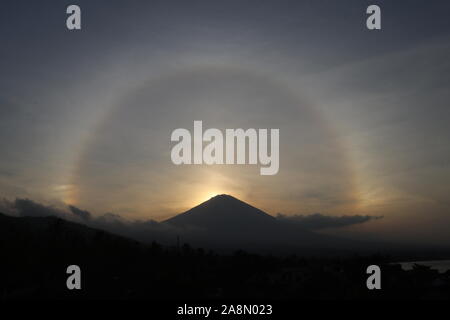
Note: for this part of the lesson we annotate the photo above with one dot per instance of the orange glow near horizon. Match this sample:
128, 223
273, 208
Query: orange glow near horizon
205, 195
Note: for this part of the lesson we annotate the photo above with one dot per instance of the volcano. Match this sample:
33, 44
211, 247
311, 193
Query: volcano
222, 211
224, 221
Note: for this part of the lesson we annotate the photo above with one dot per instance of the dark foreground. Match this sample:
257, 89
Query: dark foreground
36, 252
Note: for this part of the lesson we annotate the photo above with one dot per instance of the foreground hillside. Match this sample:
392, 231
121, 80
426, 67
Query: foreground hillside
37, 251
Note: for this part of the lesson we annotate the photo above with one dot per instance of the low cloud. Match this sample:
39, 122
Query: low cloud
83, 214
151, 230
318, 221
143, 230
30, 208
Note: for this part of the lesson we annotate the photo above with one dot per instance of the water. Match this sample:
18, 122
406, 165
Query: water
439, 265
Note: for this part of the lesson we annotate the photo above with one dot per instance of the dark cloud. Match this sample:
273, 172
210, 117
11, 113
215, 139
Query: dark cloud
318, 221
166, 233
83, 214
142, 230
29, 208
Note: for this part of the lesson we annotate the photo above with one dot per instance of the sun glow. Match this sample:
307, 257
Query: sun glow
208, 192
206, 195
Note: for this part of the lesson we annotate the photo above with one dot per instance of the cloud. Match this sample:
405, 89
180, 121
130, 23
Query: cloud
83, 214
29, 208
318, 221
150, 230
143, 230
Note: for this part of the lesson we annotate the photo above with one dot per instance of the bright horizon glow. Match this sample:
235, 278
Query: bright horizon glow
205, 196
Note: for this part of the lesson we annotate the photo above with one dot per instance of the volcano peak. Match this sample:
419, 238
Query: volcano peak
220, 211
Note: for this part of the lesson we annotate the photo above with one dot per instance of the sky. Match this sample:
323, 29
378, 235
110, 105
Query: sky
86, 116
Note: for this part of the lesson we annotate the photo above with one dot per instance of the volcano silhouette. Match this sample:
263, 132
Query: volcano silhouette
222, 211
224, 221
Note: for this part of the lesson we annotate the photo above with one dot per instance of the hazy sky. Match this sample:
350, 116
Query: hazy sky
86, 116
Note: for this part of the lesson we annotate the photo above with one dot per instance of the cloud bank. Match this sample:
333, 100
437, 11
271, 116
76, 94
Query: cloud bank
151, 230
319, 221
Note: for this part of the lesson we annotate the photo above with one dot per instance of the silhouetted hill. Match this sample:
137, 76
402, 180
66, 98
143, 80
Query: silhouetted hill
36, 252
224, 221
220, 212
53, 230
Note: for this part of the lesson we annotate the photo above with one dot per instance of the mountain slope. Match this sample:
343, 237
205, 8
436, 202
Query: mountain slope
221, 211
224, 221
